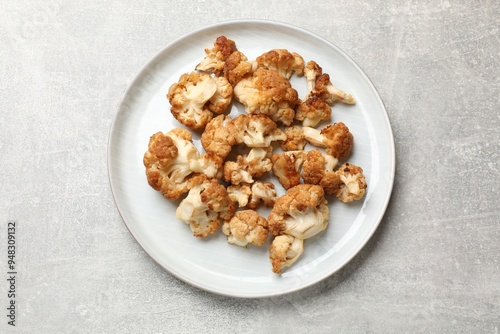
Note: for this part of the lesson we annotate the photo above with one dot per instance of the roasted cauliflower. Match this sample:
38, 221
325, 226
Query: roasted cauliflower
249, 166
352, 185
325, 90
301, 212
253, 195
240, 193
267, 92
335, 138
167, 162
209, 164
283, 61
246, 227
320, 85
311, 71
262, 193
287, 167
206, 206
256, 130
316, 166
295, 139
312, 111
196, 96
237, 67
219, 136
215, 58
284, 252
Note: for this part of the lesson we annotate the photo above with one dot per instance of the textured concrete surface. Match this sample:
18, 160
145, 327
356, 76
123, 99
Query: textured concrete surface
433, 264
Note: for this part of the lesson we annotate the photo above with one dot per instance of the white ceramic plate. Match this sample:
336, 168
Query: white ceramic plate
213, 264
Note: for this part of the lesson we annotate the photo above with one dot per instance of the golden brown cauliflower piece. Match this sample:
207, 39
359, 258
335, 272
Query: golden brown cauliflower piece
335, 138
219, 136
283, 61
256, 130
196, 95
313, 111
246, 227
215, 58
325, 90
285, 251
295, 139
267, 92
301, 212
287, 167
240, 193
253, 195
206, 206
237, 67
316, 166
262, 192
249, 166
311, 72
352, 183
167, 162
209, 164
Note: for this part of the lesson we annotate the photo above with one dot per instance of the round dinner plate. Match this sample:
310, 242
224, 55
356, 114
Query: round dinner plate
212, 264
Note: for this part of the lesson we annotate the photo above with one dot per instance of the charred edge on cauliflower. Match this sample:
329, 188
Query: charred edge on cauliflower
351, 184
287, 166
335, 138
215, 58
313, 111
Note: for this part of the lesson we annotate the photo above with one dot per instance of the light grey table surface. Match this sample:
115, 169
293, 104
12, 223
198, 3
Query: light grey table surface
431, 267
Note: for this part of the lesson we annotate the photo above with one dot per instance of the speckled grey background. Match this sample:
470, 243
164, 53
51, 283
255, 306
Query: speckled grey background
431, 267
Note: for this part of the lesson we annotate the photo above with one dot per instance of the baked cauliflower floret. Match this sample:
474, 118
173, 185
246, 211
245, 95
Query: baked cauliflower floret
325, 90
287, 166
256, 130
311, 72
246, 227
249, 166
219, 102
262, 192
335, 138
316, 166
215, 58
219, 136
313, 111
253, 195
240, 193
295, 140
237, 66
267, 92
301, 212
209, 164
283, 61
206, 206
195, 96
285, 251
352, 183
167, 162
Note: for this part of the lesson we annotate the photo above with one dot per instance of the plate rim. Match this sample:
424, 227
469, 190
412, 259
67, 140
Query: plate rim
391, 149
